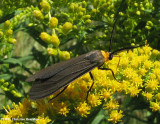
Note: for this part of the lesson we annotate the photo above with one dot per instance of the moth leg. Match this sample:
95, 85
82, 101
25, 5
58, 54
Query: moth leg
110, 70
59, 93
91, 85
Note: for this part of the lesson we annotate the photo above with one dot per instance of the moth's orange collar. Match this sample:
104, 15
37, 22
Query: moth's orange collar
105, 55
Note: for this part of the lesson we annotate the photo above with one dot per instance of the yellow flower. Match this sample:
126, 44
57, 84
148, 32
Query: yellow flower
124, 85
129, 73
106, 94
64, 55
147, 49
83, 109
131, 55
73, 92
99, 76
114, 85
142, 71
51, 51
53, 22
152, 84
20, 110
148, 95
157, 97
94, 100
115, 116
154, 106
143, 58
83, 86
133, 91
42, 107
55, 40
43, 120
141, 51
157, 64
155, 52
152, 76
63, 110
135, 62
45, 37
67, 27
158, 78
112, 104
147, 64
156, 71
137, 81
45, 5
38, 14
6, 120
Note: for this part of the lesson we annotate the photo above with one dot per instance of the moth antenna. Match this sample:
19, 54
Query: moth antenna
113, 29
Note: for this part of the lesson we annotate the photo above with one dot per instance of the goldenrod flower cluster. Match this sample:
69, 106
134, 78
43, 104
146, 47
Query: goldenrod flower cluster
134, 77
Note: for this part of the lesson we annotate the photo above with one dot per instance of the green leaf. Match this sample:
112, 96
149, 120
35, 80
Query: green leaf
26, 58
5, 76
98, 119
100, 116
12, 61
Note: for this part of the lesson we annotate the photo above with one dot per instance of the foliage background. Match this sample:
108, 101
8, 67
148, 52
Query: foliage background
23, 51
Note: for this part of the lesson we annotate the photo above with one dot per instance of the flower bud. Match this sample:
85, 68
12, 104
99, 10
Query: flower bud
138, 13
84, 3
5, 84
64, 55
7, 24
88, 21
94, 11
45, 37
135, 4
80, 14
38, 14
51, 51
12, 40
53, 22
11, 87
55, 40
9, 32
45, 5
87, 16
1, 81
74, 27
83, 9
15, 93
142, 8
67, 27
30, 24
147, 27
149, 23
121, 13
4, 88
